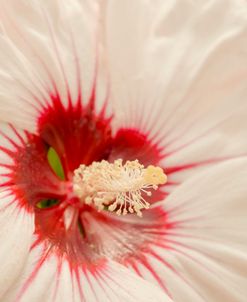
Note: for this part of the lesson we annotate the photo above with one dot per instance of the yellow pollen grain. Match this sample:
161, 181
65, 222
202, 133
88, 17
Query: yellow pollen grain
121, 188
154, 175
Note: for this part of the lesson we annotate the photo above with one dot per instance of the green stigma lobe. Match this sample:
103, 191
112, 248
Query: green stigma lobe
55, 163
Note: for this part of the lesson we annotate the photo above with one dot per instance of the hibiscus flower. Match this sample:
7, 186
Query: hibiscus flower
101, 101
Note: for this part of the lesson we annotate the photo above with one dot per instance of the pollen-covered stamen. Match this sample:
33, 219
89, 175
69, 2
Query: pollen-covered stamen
116, 186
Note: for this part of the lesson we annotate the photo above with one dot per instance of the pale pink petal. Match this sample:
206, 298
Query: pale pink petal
178, 72
200, 254
202, 47
34, 282
47, 277
225, 140
10, 141
133, 288
127, 37
173, 55
16, 229
47, 48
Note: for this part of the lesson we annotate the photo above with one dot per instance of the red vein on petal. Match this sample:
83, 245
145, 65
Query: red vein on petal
77, 275
104, 279
58, 273
144, 261
183, 167
33, 274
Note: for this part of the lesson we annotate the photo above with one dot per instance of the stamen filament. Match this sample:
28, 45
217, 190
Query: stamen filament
118, 186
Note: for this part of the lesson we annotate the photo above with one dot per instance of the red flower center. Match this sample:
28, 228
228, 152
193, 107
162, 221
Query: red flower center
78, 136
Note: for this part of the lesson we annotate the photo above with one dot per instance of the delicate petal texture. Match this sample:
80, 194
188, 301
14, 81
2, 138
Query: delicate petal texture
195, 51
184, 55
179, 73
177, 76
16, 229
223, 141
126, 46
202, 256
10, 141
135, 287
46, 47
36, 279
49, 278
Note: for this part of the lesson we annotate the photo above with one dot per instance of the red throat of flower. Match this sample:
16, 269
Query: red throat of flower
43, 173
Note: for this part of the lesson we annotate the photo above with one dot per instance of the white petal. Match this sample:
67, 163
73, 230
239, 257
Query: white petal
35, 281
16, 229
53, 279
202, 47
202, 254
128, 25
45, 46
179, 73
219, 142
134, 287
174, 54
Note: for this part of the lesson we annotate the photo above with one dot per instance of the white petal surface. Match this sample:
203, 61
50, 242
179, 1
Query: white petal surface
127, 38
35, 281
223, 141
175, 54
178, 71
202, 253
45, 47
10, 141
16, 229
49, 278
